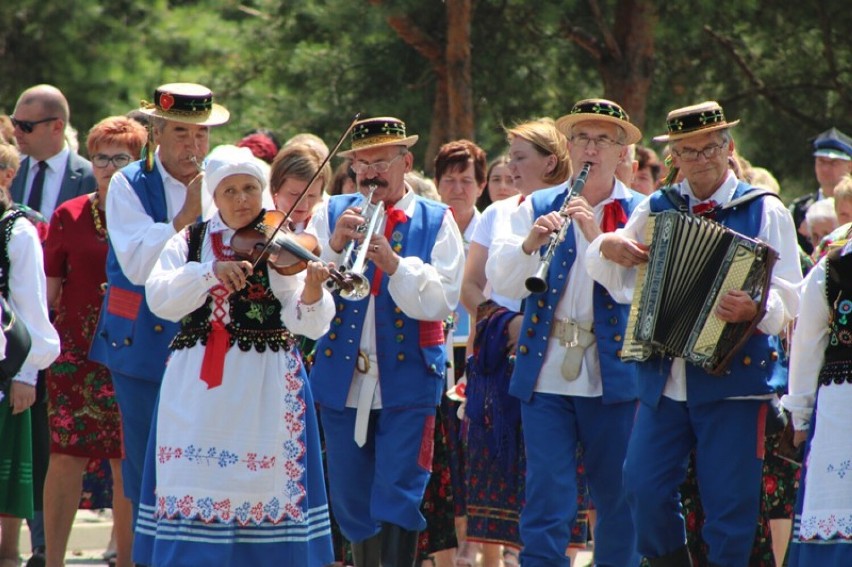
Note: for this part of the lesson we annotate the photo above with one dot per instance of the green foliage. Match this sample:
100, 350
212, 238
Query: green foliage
309, 65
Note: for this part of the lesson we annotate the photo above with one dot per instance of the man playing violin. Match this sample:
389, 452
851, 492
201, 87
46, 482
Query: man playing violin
148, 202
379, 371
572, 386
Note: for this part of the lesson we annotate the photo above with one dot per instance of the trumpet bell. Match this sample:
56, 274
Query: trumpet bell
360, 287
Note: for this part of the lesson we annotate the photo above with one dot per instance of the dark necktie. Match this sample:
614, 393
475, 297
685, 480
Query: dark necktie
34, 201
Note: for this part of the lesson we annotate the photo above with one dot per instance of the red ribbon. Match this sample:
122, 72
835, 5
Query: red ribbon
394, 217
613, 216
705, 209
218, 342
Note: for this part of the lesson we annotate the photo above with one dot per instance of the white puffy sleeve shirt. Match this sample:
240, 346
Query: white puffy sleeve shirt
28, 298
807, 353
134, 236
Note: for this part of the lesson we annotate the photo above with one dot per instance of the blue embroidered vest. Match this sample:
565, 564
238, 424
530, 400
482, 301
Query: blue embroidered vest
751, 371
610, 317
129, 338
410, 353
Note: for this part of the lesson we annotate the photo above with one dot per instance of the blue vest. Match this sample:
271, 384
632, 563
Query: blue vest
750, 373
610, 317
130, 339
410, 353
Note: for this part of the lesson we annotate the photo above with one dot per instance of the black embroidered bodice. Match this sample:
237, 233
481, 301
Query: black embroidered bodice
255, 312
5, 236
837, 368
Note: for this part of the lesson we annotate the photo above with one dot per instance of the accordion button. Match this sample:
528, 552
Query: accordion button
747, 360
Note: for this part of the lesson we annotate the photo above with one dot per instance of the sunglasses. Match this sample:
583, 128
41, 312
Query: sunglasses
27, 126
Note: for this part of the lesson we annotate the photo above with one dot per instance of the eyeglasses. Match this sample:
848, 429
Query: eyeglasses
688, 154
118, 160
361, 167
27, 126
601, 142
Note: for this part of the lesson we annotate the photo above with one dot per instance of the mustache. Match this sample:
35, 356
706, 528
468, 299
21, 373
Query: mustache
378, 182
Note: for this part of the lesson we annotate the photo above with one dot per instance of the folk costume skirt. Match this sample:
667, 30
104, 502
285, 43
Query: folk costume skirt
822, 526
233, 474
16, 462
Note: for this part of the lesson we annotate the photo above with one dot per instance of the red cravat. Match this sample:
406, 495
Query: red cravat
394, 217
218, 341
705, 209
613, 215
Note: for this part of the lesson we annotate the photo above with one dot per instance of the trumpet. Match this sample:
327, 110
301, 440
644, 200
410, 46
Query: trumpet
538, 283
354, 260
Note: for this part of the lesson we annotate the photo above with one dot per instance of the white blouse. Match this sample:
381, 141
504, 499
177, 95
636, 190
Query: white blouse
28, 298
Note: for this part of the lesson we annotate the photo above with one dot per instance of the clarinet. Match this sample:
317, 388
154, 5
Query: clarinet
538, 283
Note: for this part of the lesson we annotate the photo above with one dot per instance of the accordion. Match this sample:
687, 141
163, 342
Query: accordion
693, 262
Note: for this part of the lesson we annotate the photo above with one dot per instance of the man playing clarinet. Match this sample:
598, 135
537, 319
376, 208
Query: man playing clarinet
572, 386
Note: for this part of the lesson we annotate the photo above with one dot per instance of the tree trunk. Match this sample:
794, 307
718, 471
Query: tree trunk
458, 64
627, 74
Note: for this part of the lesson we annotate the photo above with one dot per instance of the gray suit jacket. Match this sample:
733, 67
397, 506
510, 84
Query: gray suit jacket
78, 180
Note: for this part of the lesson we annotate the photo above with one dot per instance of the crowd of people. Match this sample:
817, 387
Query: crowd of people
276, 361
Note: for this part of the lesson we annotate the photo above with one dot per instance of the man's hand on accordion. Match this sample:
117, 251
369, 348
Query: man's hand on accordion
736, 306
623, 251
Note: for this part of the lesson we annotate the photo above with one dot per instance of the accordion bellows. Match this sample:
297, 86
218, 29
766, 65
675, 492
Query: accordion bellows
692, 263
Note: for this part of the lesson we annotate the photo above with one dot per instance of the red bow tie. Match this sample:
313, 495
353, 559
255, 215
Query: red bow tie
705, 209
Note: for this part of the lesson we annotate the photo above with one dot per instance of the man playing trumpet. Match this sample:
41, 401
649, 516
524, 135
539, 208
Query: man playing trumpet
379, 372
572, 386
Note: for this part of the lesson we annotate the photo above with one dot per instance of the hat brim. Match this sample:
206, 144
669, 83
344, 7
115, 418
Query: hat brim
407, 142
218, 115
832, 154
565, 123
690, 133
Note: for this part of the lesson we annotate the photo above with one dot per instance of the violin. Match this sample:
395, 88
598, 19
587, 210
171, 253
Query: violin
288, 253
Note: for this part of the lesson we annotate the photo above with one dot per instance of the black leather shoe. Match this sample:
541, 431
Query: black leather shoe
38, 559
677, 558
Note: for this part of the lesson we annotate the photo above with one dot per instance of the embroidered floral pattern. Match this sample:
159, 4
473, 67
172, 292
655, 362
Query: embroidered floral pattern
288, 505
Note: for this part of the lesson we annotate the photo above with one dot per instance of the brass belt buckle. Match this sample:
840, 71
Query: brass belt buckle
362, 364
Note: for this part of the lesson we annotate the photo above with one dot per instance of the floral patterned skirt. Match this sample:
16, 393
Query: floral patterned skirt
82, 412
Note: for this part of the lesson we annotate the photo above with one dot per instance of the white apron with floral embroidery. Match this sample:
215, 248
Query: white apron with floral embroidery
827, 507
233, 453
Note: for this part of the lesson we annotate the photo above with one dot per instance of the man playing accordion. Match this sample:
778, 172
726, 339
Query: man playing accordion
683, 406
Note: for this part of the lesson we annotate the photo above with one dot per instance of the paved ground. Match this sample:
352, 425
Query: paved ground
91, 532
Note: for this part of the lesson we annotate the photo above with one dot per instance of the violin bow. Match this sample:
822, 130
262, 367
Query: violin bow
330, 155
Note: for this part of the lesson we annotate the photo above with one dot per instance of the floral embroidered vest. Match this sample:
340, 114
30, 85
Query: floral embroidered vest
837, 368
254, 311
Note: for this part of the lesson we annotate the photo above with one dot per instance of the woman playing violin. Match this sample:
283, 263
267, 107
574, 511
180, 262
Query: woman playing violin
236, 455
